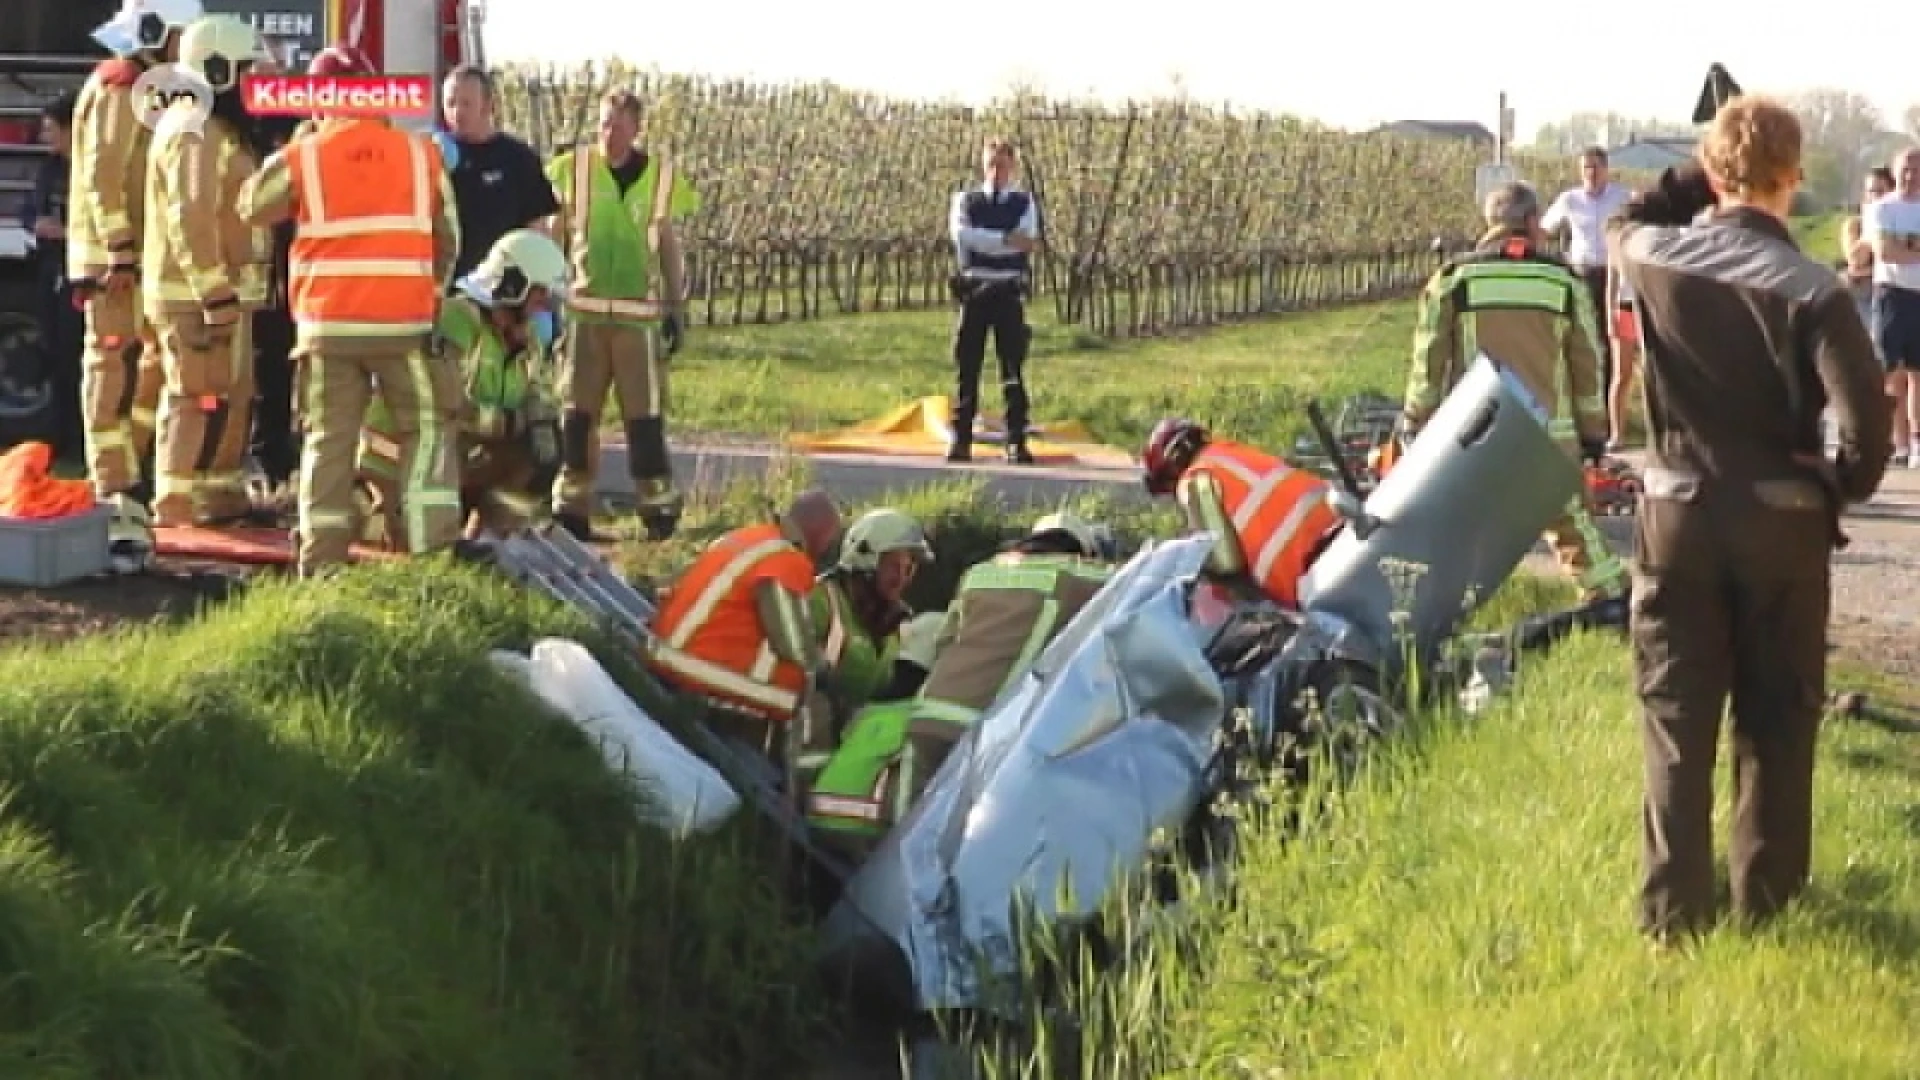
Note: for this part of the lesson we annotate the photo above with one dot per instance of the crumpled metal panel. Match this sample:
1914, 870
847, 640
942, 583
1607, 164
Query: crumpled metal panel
1458, 513
1061, 786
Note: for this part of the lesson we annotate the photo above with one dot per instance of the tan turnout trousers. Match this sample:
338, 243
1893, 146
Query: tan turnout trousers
121, 379
624, 357
423, 395
204, 421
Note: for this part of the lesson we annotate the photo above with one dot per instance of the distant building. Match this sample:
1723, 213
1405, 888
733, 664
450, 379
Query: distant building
1436, 129
1651, 153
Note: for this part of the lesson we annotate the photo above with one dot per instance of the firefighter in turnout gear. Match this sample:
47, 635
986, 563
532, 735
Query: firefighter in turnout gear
736, 631
1272, 520
857, 608
1533, 315
1006, 611
121, 374
509, 430
376, 234
205, 273
618, 205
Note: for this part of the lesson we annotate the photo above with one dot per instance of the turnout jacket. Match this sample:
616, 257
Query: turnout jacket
1747, 340
105, 203
200, 254
1007, 609
1526, 310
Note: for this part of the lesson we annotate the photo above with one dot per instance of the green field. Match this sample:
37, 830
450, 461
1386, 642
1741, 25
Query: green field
313, 834
1251, 380
1248, 380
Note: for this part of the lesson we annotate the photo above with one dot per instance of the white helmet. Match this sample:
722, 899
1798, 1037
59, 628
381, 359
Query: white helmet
518, 263
219, 49
1086, 534
143, 25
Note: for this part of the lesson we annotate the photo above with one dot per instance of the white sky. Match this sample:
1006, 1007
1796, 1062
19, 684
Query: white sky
1323, 58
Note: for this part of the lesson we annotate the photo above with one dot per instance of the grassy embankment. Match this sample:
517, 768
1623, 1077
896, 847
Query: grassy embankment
314, 835
1468, 912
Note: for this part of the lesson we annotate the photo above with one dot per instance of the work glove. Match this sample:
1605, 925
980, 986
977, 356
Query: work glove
1679, 196
671, 334
1593, 451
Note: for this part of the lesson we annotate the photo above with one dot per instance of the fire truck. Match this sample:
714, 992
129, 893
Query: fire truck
47, 48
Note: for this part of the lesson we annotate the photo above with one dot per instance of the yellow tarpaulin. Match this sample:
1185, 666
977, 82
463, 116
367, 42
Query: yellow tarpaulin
921, 429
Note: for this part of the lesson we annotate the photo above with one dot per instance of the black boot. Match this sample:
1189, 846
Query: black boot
656, 501
960, 446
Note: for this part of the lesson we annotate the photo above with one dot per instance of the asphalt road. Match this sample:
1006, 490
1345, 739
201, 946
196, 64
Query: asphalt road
868, 477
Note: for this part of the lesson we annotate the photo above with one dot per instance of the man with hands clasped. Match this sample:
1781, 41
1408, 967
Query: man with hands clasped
995, 230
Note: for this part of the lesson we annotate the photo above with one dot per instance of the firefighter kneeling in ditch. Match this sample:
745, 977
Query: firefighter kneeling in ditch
1006, 611
509, 430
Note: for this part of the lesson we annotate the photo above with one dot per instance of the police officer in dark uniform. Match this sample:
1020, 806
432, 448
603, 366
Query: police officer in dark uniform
1746, 341
995, 230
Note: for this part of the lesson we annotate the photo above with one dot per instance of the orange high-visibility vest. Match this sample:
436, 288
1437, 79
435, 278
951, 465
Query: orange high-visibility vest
709, 638
362, 258
1278, 514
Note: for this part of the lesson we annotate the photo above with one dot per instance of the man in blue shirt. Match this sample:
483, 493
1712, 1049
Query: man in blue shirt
995, 230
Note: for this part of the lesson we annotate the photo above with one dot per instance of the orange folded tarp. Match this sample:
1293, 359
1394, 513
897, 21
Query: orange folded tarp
29, 491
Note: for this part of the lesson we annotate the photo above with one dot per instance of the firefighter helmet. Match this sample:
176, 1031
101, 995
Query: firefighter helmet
219, 49
144, 25
518, 263
1083, 531
1170, 449
920, 637
878, 532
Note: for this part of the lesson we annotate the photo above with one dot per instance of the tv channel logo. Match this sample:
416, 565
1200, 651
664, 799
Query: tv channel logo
174, 95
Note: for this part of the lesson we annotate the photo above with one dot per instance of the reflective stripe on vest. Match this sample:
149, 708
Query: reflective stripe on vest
836, 645
1491, 286
1009, 573
584, 162
1274, 550
670, 652
365, 271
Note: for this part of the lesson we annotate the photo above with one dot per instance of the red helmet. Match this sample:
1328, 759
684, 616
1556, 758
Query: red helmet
1170, 449
340, 59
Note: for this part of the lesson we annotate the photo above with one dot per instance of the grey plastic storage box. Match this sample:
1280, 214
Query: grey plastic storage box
40, 554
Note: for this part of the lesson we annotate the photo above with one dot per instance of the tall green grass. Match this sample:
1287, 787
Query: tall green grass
316, 835
1467, 910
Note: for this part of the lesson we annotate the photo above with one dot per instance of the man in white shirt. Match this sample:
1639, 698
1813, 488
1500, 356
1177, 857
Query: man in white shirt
1891, 225
995, 229
1583, 212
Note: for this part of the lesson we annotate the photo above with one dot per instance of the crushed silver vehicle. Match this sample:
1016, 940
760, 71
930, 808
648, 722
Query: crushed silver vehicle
1134, 722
